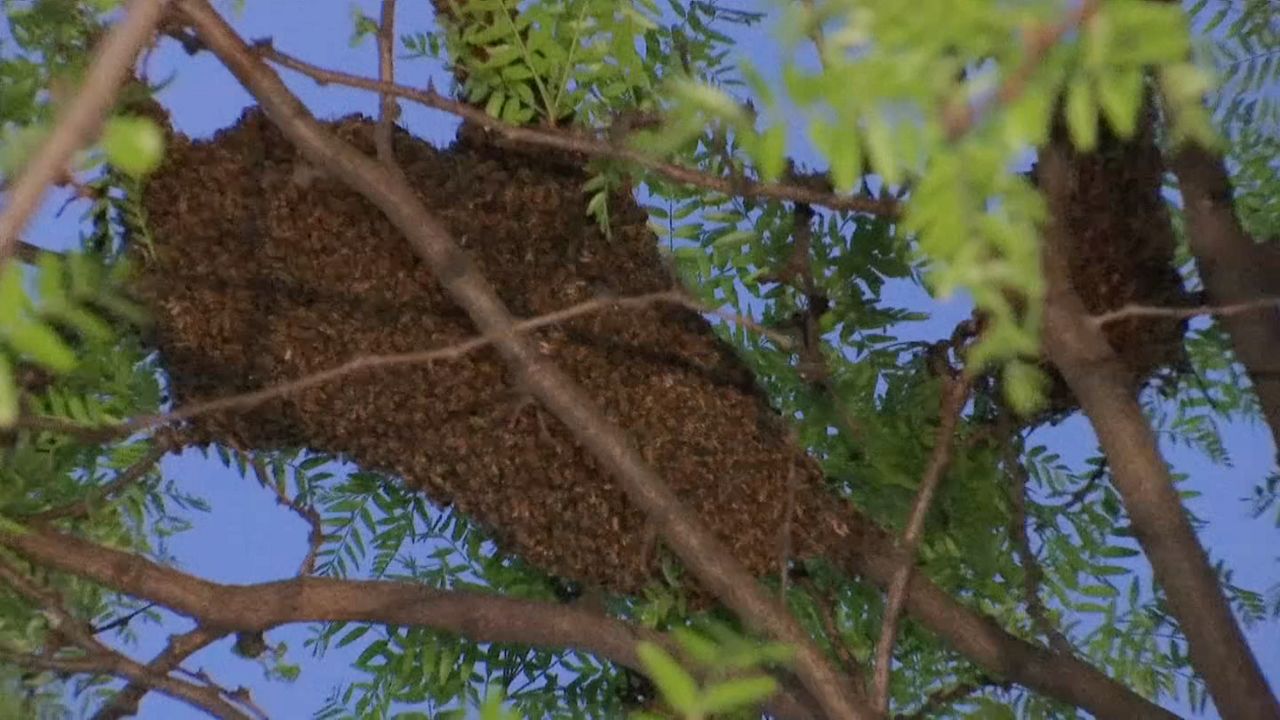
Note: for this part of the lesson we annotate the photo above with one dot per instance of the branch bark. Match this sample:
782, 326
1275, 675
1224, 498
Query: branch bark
78, 123
98, 659
125, 703
221, 609
954, 396
1233, 272
1002, 655
577, 142
1099, 380
705, 556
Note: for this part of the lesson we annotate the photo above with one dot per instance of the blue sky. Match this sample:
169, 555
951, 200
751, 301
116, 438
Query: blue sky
247, 537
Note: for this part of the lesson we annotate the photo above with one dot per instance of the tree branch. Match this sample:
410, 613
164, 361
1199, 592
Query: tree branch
999, 653
577, 142
365, 363
1233, 271
79, 121
949, 696
206, 698
1133, 310
702, 553
180, 647
308, 514
30, 253
98, 659
953, 400
222, 609
961, 117
388, 110
1031, 572
1080, 351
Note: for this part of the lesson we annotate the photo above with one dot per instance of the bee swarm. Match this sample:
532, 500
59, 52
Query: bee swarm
264, 271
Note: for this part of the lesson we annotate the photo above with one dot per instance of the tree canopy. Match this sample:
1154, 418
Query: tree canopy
851, 357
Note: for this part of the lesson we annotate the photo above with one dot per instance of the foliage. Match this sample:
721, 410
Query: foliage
881, 112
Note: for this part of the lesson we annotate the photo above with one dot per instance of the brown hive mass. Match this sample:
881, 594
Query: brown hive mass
264, 271
1122, 249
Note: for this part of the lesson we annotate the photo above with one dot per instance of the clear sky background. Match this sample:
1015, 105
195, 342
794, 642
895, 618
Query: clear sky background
248, 538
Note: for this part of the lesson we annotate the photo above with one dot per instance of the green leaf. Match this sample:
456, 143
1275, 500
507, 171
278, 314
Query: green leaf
1099, 591
677, 687
1082, 114
737, 694
772, 152
51, 282
734, 239
884, 156
701, 649
1024, 387
8, 394
494, 105
13, 297
843, 152
133, 144
39, 342
355, 634
1120, 94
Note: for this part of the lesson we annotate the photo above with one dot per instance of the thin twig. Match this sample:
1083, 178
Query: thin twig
1133, 310
811, 363
948, 696
577, 142
953, 400
100, 659
825, 603
206, 698
1084, 490
961, 117
364, 363
1032, 575
482, 617
125, 703
79, 121
388, 108
31, 253
122, 620
315, 536
388, 111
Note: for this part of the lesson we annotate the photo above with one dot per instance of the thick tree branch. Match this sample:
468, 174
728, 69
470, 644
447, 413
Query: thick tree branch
1080, 351
248, 608
1232, 269
703, 554
954, 396
79, 121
